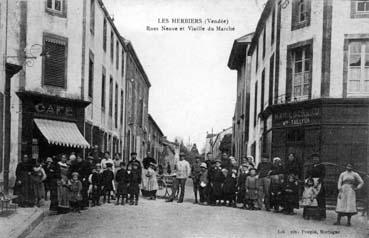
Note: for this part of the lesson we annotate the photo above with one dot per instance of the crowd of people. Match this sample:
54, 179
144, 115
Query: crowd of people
273, 186
73, 183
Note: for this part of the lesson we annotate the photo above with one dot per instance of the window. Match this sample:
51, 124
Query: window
262, 90
112, 46
121, 106
54, 66
301, 76
117, 54
273, 28
264, 42
111, 92
116, 106
271, 79
56, 7
104, 34
92, 16
300, 13
358, 69
122, 62
362, 6
295, 135
141, 112
255, 102
257, 57
359, 9
91, 75
103, 85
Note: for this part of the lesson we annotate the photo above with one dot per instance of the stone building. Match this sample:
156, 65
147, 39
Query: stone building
310, 83
155, 145
238, 60
71, 92
137, 96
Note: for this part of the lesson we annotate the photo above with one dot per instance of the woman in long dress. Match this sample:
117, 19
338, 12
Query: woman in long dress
63, 186
348, 182
23, 184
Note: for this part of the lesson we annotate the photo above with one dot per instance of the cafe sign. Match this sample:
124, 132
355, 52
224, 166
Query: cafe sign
297, 117
51, 109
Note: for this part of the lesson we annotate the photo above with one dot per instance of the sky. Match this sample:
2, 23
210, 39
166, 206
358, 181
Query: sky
193, 91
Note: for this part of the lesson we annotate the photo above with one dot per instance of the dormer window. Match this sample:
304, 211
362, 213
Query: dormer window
362, 6
359, 8
300, 14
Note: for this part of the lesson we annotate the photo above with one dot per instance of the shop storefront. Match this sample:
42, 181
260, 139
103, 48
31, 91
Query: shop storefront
337, 129
52, 125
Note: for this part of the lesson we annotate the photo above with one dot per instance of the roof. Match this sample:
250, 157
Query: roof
238, 52
107, 15
261, 24
137, 61
155, 124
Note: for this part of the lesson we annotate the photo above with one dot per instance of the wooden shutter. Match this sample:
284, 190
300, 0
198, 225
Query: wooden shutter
289, 76
55, 63
271, 80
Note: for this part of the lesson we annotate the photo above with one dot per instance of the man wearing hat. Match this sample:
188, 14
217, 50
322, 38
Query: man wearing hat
134, 160
195, 175
183, 171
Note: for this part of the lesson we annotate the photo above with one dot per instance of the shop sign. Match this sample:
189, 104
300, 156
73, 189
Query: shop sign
54, 110
297, 117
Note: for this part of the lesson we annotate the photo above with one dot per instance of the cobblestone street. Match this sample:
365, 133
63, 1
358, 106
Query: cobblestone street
161, 219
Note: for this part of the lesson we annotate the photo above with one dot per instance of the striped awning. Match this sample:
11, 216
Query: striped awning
61, 133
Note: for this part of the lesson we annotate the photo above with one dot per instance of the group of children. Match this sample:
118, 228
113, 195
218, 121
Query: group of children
124, 184
229, 186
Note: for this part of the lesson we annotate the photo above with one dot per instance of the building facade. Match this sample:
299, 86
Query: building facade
71, 92
240, 61
136, 114
155, 145
310, 83
213, 142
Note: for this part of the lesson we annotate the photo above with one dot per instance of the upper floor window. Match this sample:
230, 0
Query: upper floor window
300, 13
111, 45
56, 7
358, 70
359, 8
103, 85
111, 92
91, 75
301, 76
55, 64
121, 106
264, 41
92, 16
117, 54
116, 106
122, 62
272, 37
104, 34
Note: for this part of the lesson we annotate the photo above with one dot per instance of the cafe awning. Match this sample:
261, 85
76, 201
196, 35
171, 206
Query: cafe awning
61, 133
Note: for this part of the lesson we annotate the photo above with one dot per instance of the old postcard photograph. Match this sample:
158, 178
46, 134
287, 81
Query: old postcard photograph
184, 118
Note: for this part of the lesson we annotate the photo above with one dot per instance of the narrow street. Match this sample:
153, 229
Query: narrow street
161, 219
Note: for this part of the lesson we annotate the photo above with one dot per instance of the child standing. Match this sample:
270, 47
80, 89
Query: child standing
134, 182
229, 188
95, 185
309, 201
38, 175
251, 189
217, 182
107, 181
122, 180
290, 195
204, 183
75, 192
241, 184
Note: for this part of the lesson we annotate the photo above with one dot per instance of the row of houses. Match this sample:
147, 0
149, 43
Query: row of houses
303, 83
69, 81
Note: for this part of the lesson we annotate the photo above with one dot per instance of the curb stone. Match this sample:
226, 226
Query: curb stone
33, 221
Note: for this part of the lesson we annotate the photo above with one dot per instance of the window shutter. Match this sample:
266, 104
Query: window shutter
55, 63
289, 77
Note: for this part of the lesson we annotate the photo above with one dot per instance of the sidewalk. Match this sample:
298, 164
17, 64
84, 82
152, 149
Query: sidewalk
22, 221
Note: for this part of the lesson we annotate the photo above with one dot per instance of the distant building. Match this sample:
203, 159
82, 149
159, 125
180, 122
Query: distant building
137, 97
155, 145
213, 141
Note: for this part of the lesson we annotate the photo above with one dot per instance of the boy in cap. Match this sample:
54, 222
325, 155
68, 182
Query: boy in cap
217, 182
108, 181
134, 177
95, 180
122, 180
